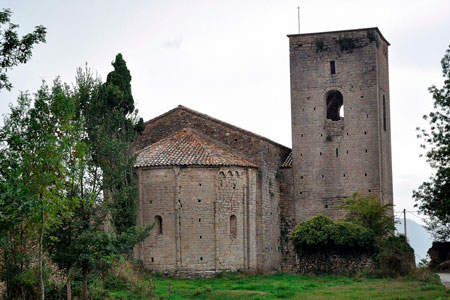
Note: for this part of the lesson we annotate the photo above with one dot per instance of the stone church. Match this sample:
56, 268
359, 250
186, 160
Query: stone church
224, 198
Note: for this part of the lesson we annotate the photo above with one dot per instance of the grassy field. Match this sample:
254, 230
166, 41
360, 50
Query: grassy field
282, 286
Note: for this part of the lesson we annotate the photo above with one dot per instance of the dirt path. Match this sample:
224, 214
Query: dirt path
445, 279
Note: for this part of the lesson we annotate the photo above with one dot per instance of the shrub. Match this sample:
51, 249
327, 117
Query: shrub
395, 257
348, 236
369, 213
321, 234
311, 234
28, 281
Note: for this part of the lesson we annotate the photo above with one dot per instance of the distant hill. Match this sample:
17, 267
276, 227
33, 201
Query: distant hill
419, 238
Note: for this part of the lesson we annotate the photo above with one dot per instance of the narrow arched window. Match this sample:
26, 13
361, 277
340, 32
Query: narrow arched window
335, 106
233, 226
159, 224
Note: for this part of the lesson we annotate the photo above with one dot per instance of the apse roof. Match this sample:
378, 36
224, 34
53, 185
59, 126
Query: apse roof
187, 148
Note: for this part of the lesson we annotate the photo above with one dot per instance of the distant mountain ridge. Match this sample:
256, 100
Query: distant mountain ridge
419, 238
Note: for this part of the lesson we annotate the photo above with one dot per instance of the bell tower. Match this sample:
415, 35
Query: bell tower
341, 141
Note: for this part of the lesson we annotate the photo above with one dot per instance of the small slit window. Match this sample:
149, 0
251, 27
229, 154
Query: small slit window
335, 106
159, 225
233, 226
332, 67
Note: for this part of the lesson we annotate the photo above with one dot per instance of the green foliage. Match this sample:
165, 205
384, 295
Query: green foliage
15, 232
122, 276
58, 158
28, 288
68, 242
321, 234
346, 235
41, 138
118, 87
369, 213
15, 50
312, 233
433, 196
112, 126
395, 257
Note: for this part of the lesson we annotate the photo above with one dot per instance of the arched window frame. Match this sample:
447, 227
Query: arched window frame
233, 226
334, 103
159, 224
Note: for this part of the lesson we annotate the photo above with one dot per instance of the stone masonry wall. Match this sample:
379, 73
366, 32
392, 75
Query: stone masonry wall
384, 113
236, 198
267, 155
157, 197
287, 219
344, 265
196, 204
333, 159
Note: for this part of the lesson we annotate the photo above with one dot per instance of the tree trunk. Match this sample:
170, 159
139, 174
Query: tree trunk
41, 277
69, 284
84, 268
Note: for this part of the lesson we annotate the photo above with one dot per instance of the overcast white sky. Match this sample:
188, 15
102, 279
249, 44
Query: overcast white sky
230, 59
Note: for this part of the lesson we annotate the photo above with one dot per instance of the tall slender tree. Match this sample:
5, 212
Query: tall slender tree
113, 126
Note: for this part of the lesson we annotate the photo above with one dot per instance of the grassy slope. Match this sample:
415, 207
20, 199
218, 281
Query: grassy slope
238, 286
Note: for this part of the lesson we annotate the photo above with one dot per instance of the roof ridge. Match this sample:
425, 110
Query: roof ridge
190, 110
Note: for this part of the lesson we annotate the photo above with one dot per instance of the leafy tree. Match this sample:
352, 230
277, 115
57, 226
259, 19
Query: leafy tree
67, 175
83, 240
75, 241
15, 50
15, 232
40, 138
433, 196
369, 213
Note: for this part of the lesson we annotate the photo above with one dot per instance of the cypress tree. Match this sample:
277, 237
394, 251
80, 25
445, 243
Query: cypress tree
113, 125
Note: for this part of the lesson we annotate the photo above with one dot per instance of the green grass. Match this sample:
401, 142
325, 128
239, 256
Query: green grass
283, 286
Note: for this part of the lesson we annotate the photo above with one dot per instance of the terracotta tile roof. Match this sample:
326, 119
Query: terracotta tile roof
288, 162
186, 148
